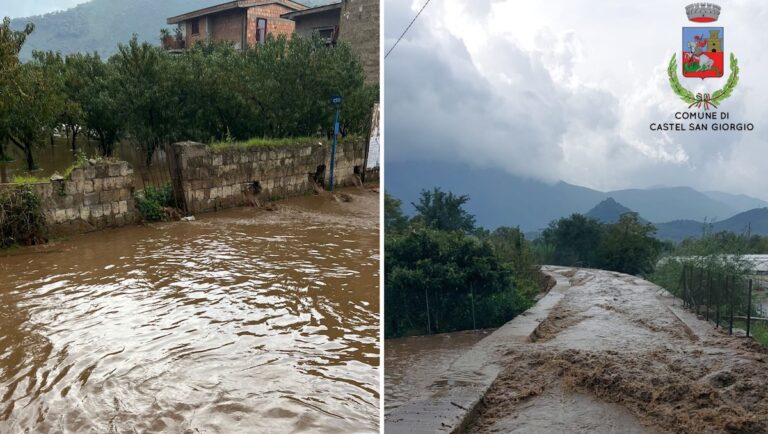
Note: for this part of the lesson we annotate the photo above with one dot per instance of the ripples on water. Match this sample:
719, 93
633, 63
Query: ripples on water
243, 321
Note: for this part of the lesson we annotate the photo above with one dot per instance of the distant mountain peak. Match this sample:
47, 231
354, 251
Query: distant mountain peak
608, 211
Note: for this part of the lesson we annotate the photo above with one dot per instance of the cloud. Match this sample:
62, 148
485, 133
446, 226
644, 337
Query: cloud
555, 91
23, 9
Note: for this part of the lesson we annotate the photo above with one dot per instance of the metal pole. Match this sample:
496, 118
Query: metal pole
709, 292
749, 307
730, 296
333, 149
717, 306
472, 290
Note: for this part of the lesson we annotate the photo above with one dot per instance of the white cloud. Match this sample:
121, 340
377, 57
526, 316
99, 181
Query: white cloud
567, 90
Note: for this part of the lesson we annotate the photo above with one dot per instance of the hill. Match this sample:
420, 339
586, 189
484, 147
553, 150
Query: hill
100, 25
755, 221
498, 198
608, 211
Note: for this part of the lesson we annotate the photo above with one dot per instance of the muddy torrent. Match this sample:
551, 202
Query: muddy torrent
613, 357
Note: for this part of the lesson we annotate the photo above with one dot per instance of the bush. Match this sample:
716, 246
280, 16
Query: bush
21, 218
152, 201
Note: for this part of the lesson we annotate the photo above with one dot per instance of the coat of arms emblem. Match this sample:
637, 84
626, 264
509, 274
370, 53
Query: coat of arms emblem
703, 56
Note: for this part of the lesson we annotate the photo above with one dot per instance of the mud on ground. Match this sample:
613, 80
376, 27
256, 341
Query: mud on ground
671, 381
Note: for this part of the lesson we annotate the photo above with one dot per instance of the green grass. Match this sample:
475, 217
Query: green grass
28, 179
264, 142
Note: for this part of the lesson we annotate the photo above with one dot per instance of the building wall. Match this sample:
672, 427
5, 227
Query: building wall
359, 27
193, 39
306, 24
90, 198
275, 24
212, 180
228, 26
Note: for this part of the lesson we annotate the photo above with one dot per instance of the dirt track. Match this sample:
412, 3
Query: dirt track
614, 357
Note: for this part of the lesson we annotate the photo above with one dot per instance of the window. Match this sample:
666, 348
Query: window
261, 30
328, 34
196, 26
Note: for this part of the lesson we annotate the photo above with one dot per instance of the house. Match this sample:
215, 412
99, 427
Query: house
323, 20
244, 23
356, 22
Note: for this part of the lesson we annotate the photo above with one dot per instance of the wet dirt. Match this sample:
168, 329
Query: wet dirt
613, 357
242, 321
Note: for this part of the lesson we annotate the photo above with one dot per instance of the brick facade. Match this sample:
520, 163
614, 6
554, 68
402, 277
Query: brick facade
275, 24
238, 25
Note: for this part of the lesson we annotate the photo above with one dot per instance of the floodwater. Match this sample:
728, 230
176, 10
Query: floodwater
413, 363
243, 321
59, 156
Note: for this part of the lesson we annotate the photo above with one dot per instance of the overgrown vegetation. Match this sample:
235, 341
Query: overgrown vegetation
153, 201
627, 246
211, 93
444, 274
21, 218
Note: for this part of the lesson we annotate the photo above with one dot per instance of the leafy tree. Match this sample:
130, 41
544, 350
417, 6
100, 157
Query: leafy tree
10, 45
32, 111
439, 281
574, 240
99, 99
629, 246
144, 90
394, 220
443, 211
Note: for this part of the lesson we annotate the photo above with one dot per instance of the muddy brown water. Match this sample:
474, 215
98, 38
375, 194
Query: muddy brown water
243, 321
59, 157
412, 364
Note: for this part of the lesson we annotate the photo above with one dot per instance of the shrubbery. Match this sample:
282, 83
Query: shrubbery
152, 202
442, 274
21, 218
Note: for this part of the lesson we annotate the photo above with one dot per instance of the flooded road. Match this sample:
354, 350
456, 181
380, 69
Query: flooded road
244, 321
411, 364
618, 354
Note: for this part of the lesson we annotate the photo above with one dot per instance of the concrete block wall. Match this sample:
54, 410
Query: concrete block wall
359, 26
211, 180
90, 198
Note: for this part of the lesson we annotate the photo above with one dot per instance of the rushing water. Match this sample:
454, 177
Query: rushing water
411, 364
242, 321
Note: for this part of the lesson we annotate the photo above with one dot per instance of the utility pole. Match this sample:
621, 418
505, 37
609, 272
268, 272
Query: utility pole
336, 101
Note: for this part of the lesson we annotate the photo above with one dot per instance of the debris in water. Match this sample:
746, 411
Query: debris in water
188, 219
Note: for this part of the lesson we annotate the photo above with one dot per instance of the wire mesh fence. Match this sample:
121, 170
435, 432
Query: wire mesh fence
728, 300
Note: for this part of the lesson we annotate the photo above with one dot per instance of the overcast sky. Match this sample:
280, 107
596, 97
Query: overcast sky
566, 90
25, 8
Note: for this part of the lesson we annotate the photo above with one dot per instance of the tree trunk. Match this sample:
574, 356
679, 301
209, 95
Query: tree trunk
74, 139
30, 159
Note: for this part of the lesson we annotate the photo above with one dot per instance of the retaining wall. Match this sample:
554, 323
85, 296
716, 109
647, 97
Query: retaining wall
90, 198
209, 180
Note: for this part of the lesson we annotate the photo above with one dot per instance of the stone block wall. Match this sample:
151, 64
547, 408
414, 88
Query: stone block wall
211, 180
90, 198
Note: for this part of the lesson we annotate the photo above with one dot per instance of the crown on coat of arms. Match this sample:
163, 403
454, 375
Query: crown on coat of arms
703, 12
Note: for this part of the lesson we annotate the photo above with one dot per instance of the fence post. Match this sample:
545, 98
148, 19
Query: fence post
749, 307
709, 291
685, 286
700, 291
730, 301
717, 305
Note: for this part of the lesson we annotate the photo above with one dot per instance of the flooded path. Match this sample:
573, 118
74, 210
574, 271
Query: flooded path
244, 321
411, 364
617, 354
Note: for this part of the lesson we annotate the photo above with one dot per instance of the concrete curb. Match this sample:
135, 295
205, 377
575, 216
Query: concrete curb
459, 391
